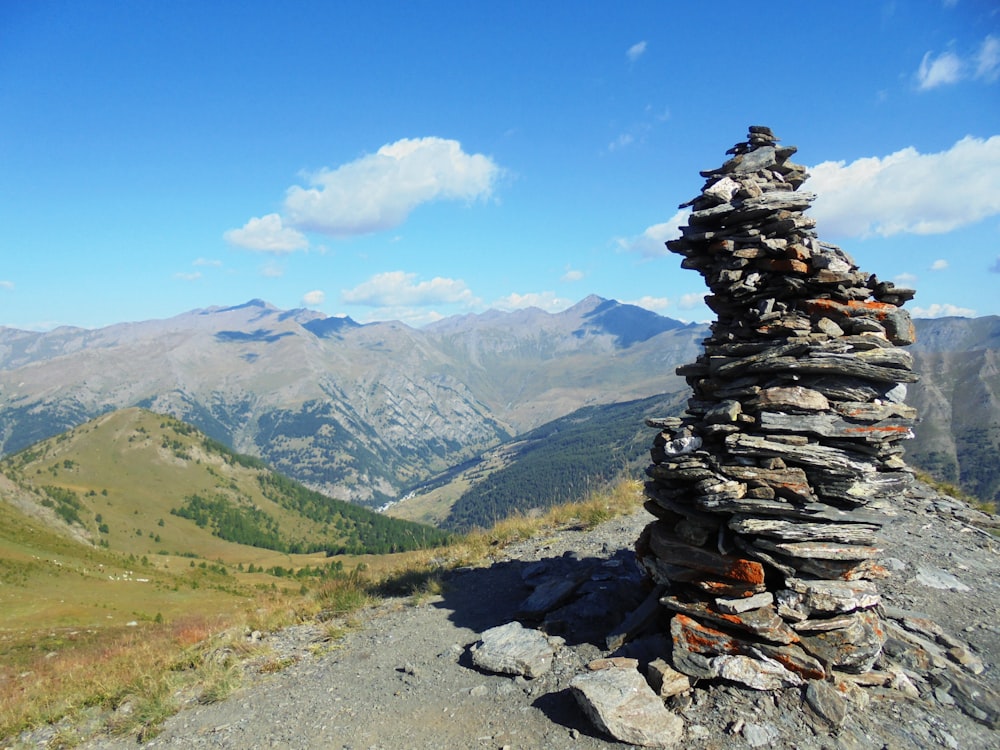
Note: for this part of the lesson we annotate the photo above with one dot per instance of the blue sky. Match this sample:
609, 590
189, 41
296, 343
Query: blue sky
414, 160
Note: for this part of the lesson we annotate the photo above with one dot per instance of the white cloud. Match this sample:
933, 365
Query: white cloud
908, 191
400, 289
942, 311
378, 191
548, 301
415, 317
625, 139
690, 300
6, 284
988, 59
572, 275
272, 271
193, 276
656, 304
207, 262
905, 279
267, 234
950, 67
939, 265
651, 243
314, 298
636, 51
944, 69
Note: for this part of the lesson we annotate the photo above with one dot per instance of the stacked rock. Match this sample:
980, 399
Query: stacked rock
770, 492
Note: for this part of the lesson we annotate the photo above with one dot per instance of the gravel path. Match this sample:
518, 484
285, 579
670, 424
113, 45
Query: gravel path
405, 679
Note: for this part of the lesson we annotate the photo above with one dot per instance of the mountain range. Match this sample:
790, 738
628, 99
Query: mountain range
367, 412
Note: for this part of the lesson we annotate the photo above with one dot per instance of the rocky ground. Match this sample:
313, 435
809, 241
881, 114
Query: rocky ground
408, 678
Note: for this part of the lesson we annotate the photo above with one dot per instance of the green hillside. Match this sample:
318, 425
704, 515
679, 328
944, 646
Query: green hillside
135, 514
146, 484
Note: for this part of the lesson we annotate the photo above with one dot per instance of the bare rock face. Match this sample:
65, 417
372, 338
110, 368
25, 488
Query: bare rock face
770, 493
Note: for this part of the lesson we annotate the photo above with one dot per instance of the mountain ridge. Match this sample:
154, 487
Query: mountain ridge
356, 411
365, 411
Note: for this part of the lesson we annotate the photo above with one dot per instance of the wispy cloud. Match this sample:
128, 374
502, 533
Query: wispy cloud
272, 271
636, 51
939, 265
572, 274
314, 298
942, 311
548, 301
652, 242
950, 67
909, 192
938, 71
623, 140
192, 276
207, 262
988, 60
402, 289
6, 284
267, 234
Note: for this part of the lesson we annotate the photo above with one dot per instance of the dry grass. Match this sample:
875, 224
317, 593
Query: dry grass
65, 672
602, 505
136, 674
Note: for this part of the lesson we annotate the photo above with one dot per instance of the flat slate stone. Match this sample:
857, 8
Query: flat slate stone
513, 649
621, 704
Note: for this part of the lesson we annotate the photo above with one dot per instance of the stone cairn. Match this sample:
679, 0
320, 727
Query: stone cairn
770, 492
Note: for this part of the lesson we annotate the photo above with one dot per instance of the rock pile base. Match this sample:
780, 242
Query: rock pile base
770, 492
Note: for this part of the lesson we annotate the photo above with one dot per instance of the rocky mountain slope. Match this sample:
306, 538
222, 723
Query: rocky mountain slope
412, 675
357, 411
958, 400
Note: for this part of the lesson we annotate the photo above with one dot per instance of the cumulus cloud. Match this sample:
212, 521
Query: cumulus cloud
635, 51
401, 289
267, 234
942, 311
655, 304
378, 191
651, 243
572, 275
909, 192
939, 265
951, 67
548, 301
313, 298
